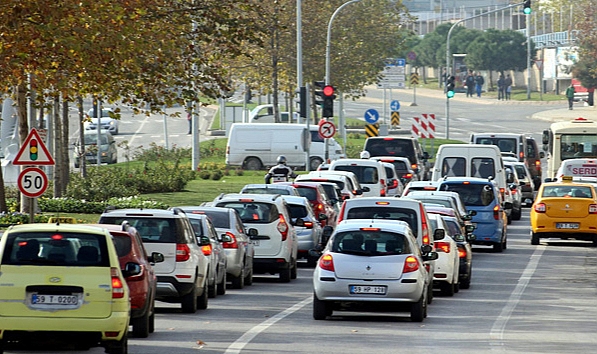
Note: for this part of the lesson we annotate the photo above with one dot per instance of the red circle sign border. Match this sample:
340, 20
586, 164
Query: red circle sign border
44, 178
323, 127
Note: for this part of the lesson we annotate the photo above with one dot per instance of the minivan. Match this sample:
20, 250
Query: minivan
404, 146
370, 173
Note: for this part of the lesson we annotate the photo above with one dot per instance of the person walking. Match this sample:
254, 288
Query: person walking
470, 83
479, 81
570, 95
280, 172
508, 86
501, 87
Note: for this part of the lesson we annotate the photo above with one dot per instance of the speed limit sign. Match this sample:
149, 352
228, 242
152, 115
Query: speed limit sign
33, 182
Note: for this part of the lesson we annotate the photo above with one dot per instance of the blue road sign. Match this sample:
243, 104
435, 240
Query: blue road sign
400, 62
394, 105
372, 116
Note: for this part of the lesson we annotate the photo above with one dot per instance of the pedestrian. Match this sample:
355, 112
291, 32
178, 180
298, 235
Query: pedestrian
444, 77
479, 81
501, 87
570, 95
280, 172
470, 83
508, 86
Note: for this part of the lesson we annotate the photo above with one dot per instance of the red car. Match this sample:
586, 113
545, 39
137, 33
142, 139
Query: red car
142, 287
319, 200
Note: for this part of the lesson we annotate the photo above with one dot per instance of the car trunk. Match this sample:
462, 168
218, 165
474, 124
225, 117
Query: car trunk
348, 266
268, 242
568, 208
168, 249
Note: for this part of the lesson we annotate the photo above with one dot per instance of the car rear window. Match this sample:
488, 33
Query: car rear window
268, 190
386, 212
521, 171
123, 244
365, 174
218, 218
254, 212
152, 230
391, 147
370, 243
308, 192
567, 191
56, 249
473, 194
504, 144
298, 211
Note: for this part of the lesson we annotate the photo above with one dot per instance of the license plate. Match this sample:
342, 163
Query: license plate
60, 300
255, 243
368, 289
567, 225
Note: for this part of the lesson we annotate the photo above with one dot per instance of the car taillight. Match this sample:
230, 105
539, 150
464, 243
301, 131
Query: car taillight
441, 246
183, 252
117, 286
230, 244
521, 155
283, 227
308, 224
413, 166
411, 264
408, 176
394, 184
496, 212
319, 207
206, 250
593, 209
341, 216
461, 252
540, 208
538, 164
326, 262
424, 226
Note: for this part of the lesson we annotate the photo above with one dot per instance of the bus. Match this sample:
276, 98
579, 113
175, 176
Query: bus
569, 140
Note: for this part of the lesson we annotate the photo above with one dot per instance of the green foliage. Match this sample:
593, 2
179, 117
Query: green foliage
69, 205
18, 218
216, 175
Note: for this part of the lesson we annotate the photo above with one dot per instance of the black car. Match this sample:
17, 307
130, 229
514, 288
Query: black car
465, 253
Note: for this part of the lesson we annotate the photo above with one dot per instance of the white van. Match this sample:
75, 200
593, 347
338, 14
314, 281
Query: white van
255, 146
581, 168
370, 173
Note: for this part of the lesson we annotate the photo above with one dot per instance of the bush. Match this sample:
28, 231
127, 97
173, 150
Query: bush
68, 205
216, 175
204, 174
18, 218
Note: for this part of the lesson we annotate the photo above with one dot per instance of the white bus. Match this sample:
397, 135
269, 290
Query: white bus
569, 140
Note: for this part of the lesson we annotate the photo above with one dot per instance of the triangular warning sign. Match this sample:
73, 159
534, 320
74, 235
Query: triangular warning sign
33, 151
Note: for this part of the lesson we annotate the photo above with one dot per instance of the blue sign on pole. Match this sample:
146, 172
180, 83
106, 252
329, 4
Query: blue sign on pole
394, 106
372, 116
400, 62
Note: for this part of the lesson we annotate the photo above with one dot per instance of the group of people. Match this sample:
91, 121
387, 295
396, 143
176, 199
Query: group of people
504, 87
474, 83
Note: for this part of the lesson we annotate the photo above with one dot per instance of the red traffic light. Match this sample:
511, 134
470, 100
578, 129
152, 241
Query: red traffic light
328, 91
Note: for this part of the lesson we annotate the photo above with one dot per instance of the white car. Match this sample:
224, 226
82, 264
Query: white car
447, 265
370, 173
309, 234
107, 120
420, 186
347, 181
373, 264
394, 184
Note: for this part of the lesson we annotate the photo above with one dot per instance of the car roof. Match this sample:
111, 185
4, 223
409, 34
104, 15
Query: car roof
163, 213
375, 200
364, 162
440, 210
193, 209
423, 183
388, 225
44, 227
292, 199
268, 198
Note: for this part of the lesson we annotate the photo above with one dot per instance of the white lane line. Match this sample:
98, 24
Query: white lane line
246, 338
145, 120
496, 335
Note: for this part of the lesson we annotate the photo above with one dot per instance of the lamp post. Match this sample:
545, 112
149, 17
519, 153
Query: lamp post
329, 37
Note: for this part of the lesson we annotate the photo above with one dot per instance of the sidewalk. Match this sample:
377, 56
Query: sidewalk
563, 114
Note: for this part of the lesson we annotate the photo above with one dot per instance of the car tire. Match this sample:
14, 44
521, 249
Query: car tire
466, 282
222, 285
188, 302
321, 309
212, 290
312, 261
509, 219
152, 322
202, 299
498, 247
516, 215
430, 293
118, 347
285, 274
238, 282
417, 310
314, 163
534, 239
446, 288
141, 326
456, 287
253, 164
249, 278
294, 270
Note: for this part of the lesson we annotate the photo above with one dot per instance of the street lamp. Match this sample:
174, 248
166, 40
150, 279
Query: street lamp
329, 37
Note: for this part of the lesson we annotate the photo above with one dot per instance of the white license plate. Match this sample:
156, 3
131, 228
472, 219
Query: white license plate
567, 225
255, 243
63, 300
368, 289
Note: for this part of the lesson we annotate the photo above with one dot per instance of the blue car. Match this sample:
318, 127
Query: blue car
483, 197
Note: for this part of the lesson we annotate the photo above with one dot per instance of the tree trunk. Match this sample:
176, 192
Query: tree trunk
57, 149
275, 45
82, 161
23, 133
64, 144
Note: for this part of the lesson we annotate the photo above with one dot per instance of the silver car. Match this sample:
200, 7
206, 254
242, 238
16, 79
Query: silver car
309, 232
372, 264
239, 250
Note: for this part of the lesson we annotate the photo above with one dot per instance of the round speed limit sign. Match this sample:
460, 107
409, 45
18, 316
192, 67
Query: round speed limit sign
33, 182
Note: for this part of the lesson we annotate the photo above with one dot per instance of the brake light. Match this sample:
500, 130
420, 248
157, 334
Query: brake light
308, 224
283, 227
341, 216
540, 208
382, 203
521, 155
326, 262
424, 226
117, 286
376, 229
206, 250
496, 212
319, 207
411, 264
442, 246
466, 182
408, 176
183, 252
538, 164
593, 209
231, 244
394, 184
413, 166
461, 252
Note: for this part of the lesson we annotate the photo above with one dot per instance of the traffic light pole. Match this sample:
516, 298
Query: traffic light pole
448, 54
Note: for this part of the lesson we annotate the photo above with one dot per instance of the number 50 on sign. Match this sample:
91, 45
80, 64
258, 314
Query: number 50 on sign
32, 182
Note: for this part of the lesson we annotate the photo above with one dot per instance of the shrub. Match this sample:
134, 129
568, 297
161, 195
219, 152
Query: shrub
18, 218
204, 174
69, 205
216, 175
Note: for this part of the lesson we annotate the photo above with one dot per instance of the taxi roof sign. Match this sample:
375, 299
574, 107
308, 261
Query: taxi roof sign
33, 151
566, 178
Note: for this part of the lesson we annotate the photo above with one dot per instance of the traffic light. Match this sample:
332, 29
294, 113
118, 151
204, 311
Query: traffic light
318, 91
303, 102
328, 101
33, 149
527, 7
450, 87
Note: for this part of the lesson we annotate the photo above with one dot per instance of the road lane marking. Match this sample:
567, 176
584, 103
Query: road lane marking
496, 335
248, 336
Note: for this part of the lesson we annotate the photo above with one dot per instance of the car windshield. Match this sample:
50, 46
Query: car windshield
473, 194
365, 174
385, 212
91, 139
370, 243
105, 113
57, 249
308, 192
254, 212
567, 191
266, 190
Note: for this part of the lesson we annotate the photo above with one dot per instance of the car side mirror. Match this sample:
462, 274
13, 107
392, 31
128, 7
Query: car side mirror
326, 233
459, 238
155, 257
204, 241
513, 186
299, 222
471, 237
467, 217
431, 256
425, 249
425, 155
365, 189
131, 269
469, 228
472, 213
549, 180
225, 238
523, 183
359, 192
439, 234
541, 154
322, 217
252, 232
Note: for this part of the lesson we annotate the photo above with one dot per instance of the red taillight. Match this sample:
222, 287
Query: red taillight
326, 262
593, 209
230, 244
540, 208
283, 227
394, 184
319, 207
408, 176
117, 286
413, 166
424, 226
521, 155
183, 252
496, 212
461, 252
341, 216
442, 246
411, 264
538, 164
308, 224
206, 250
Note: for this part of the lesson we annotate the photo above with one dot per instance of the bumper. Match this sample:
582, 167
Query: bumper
487, 232
169, 287
269, 265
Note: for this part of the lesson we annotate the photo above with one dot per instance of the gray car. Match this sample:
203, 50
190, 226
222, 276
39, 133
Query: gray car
107, 147
309, 233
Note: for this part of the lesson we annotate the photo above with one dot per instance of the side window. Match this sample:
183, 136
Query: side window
187, 231
454, 167
531, 151
239, 225
482, 167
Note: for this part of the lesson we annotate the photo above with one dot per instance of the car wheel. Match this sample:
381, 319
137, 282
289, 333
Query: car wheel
239, 282
534, 239
285, 274
222, 285
505, 243
118, 347
252, 163
417, 310
312, 261
314, 162
498, 247
466, 282
249, 278
293, 270
202, 300
188, 302
446, 288
510, 219
456, 287
516, 214
141, 326
212, 290
321, 309
152, 322
430, 293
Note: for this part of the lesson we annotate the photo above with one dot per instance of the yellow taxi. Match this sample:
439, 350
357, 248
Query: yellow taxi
565, 210
63, 283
